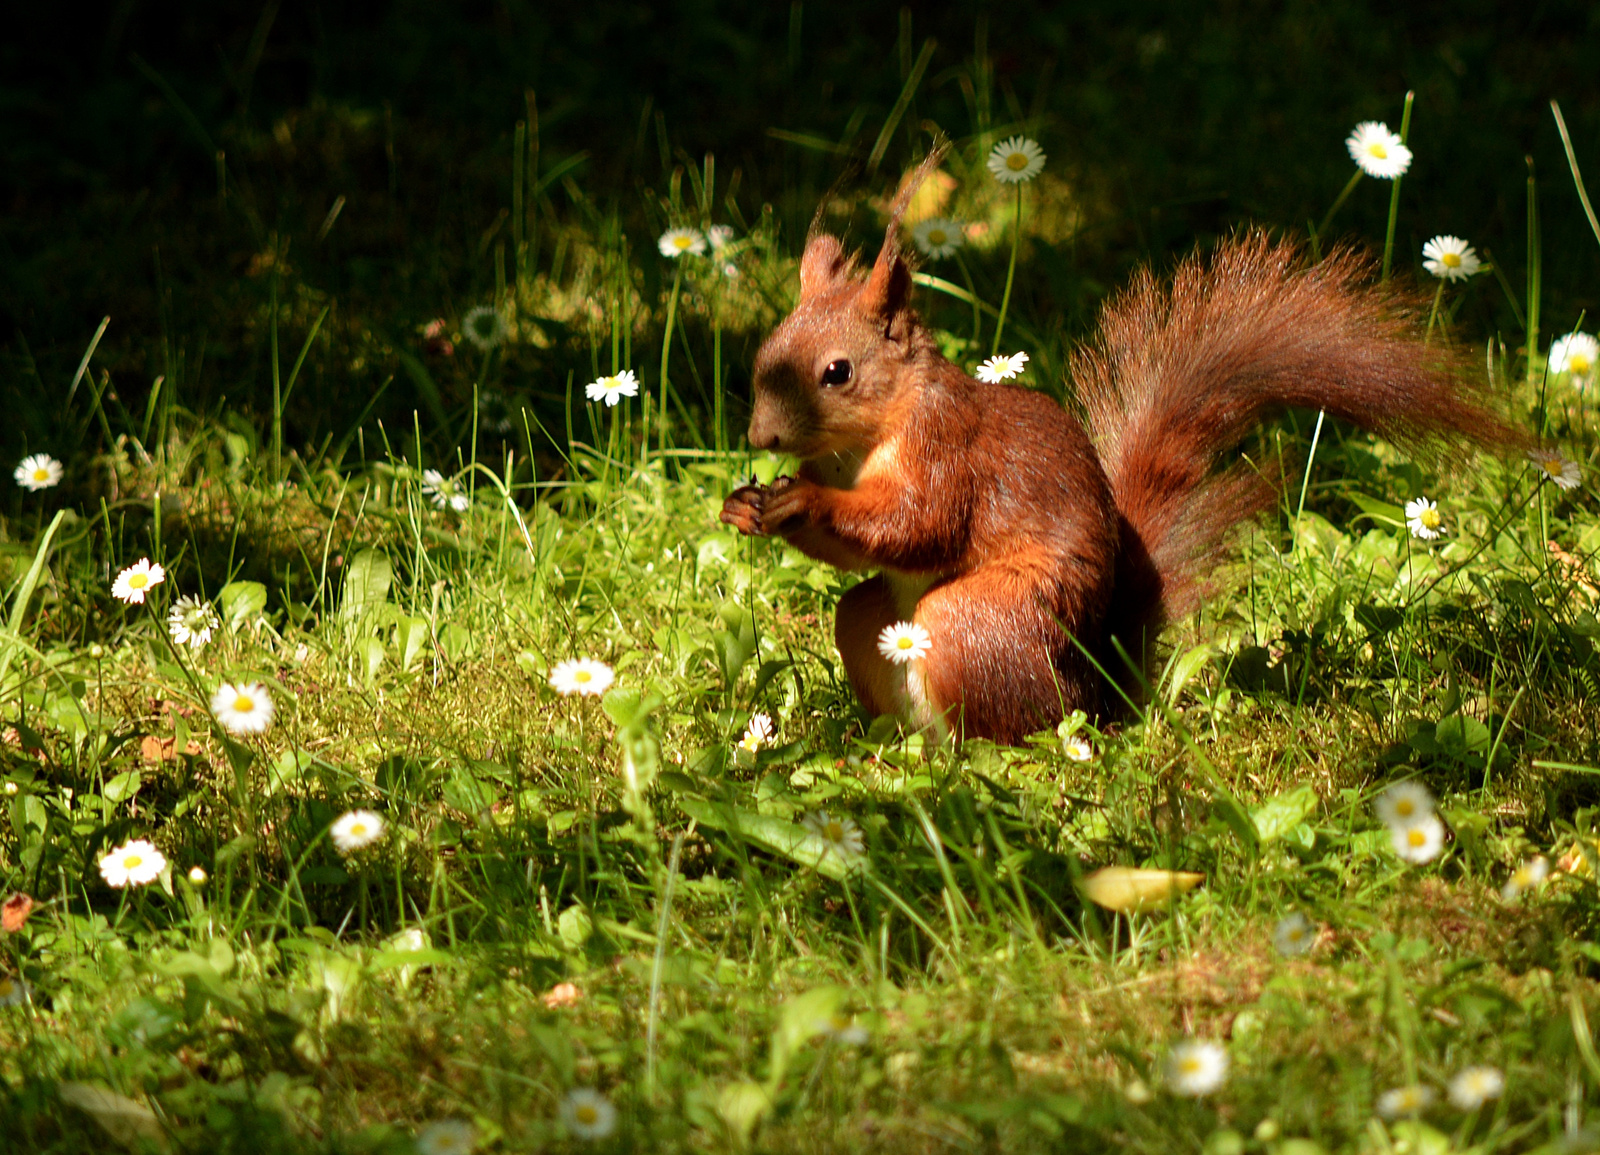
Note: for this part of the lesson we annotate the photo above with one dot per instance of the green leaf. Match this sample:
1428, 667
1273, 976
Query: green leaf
575, 926
1377, 510
242, 602
771, 833
122, 787
370, 651
804, 1017
367, 579
410, 638
456, 642
1279, 815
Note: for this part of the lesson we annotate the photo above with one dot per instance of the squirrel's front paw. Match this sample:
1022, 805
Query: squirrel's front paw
742, 509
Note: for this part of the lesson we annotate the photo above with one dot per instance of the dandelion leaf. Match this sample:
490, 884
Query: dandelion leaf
126, 1120
778, 835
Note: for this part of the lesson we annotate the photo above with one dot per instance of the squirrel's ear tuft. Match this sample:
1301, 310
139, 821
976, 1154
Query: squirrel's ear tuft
889, 287
823, 265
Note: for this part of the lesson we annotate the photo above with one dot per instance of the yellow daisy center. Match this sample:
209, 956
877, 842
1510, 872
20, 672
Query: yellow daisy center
357, 829
41, 474
1017, 161
935, 237
132, 861
1296, 934
138, 581
1431, 519
1376, 149
1578, 363
679, 243
834, 831
1189, 1066
587, 1115
1405, 808
582, 676
1450, 260
905, 642
1416, 838
244, 704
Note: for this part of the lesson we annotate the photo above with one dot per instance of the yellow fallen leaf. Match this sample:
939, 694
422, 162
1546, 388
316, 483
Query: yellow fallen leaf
124, 1119
1128, 889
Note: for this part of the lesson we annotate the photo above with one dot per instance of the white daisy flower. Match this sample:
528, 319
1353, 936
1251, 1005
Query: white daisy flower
1423, 519
40, 471
136, 581
485, 327
581, 676
1420, 841
720, 236
1016, 160
843, 1029
1576, 355
1403, 1102
243, 709
1294, 935
1077, 748
842, 835
1377, 151
447, 1137
1559, 469
1003, 368
1404, 803
904, 642
445, 492
13, 992
588, 1114
1525, 878
136, 863
355, 830
198, 875
1474, 1086
938, 237
757, 734
191, 622
675, 242
613, 389
1196, 1067
1450, 258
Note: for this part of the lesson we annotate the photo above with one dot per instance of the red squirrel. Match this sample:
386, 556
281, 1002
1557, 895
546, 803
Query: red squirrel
1021, 538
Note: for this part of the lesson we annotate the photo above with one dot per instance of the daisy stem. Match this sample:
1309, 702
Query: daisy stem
1394, 193
666, 354
656, 966
1433, 313
977, 306
1338, 203
1011, 272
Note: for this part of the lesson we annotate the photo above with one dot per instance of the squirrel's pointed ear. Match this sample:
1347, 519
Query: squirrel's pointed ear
889, 286
822, 266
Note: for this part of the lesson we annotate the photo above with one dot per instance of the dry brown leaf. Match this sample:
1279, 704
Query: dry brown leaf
15, 912
1129, 889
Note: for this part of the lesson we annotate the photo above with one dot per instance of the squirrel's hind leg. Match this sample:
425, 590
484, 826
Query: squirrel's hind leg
1001, 666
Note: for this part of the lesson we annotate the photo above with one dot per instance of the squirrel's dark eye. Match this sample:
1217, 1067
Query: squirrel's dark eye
837, 373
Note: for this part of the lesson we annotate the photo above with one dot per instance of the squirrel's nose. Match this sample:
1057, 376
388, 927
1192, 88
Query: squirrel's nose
763, 432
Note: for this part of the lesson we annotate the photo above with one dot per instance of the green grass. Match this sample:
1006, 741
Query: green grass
580, 892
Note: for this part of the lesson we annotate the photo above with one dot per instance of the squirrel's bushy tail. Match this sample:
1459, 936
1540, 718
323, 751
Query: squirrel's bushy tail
1181, 373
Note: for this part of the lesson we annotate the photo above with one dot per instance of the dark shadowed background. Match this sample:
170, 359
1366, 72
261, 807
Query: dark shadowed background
1172, 122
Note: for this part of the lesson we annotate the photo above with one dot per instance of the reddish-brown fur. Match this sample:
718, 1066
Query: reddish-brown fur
1004, 526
